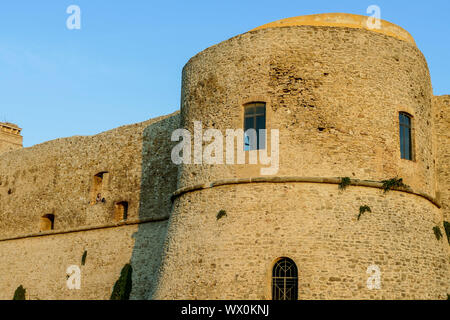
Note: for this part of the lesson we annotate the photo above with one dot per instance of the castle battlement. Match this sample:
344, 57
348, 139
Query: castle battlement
10, 137
10, 128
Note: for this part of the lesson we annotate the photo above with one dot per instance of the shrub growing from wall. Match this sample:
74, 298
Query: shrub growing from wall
122, 287
19, 294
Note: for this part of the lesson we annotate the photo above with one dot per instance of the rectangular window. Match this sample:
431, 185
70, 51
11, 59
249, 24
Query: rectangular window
405, 136
255, 126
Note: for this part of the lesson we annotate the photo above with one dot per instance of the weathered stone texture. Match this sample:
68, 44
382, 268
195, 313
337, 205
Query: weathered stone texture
40, 264
334, 94
57, 178
442, 137
317, 227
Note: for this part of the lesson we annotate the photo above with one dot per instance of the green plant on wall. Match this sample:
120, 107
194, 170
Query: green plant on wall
83, 258
393, 183
19, 294
362, 210
221, 214
345, 182
447, 230
437, 232
122, 287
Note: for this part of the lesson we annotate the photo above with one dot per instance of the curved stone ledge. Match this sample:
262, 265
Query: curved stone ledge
342, 20
81, 229
324, 180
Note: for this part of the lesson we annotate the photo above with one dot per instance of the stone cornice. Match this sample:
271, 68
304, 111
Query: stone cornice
86, 228
322, 180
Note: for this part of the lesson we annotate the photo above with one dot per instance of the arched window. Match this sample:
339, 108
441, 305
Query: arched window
255, 126
406, 149
284, 280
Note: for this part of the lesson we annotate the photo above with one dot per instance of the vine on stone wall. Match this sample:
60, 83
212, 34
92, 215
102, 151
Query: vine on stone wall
221, 214
19, 294
393, 183
345, 182
437, 232
122, 287
362, 210
447, 230
83, 258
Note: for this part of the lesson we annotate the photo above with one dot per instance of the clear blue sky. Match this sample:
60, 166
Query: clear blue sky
124, 65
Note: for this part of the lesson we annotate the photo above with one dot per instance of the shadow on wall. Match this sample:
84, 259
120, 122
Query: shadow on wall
158, 182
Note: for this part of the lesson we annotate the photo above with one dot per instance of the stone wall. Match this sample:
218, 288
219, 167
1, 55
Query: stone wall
58, 178
335, 95
40, 264
442, 129
316, 225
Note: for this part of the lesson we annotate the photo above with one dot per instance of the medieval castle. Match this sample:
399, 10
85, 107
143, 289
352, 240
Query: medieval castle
362, 190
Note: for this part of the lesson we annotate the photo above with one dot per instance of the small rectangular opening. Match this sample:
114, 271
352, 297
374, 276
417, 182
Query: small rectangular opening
47, 222
121, 211
98, 186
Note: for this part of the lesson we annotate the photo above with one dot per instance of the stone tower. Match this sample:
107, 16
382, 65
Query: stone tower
10, 138
334, 89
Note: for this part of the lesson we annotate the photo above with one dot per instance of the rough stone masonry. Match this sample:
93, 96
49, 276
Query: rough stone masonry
334, 89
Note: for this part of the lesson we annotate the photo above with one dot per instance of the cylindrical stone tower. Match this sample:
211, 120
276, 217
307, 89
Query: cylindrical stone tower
334, 88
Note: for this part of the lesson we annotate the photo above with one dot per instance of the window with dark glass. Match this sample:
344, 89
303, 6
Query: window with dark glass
285, 280
405, 136
254, 126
